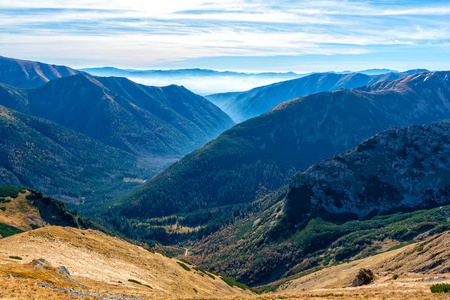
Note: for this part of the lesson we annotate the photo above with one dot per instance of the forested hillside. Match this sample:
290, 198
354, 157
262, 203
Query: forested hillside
261, 154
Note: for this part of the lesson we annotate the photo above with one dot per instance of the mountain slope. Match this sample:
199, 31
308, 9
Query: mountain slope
30, 74
359, 203
249, 104
265, 251
397, 169
407, 263
156, 124
262, 153
28, 209
96, 262
40, 154
25, 210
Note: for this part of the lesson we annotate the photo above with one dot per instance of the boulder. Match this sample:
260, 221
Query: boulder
364, 276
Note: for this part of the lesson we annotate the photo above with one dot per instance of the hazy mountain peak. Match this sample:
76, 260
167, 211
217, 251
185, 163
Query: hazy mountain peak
29, 74
245, 105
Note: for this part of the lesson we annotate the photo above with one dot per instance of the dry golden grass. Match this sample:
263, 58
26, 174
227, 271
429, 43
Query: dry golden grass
105, 264
25, 289
20, 214
406, 262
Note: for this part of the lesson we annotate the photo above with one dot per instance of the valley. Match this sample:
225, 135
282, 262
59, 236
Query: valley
165, 197
260, 155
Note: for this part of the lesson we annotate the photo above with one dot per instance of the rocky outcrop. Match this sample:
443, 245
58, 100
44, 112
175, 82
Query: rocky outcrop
401, 168
364, 276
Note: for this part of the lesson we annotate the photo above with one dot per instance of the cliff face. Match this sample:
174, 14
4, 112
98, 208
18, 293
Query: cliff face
398, 169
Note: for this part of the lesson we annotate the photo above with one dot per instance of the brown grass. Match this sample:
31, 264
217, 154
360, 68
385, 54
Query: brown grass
406, 262
20, 214
104, 263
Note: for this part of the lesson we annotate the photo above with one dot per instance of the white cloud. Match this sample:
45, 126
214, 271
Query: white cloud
153, 31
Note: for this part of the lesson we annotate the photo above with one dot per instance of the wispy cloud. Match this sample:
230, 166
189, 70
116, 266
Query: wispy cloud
140, 33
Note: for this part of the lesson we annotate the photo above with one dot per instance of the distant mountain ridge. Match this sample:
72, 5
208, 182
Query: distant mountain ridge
245, 105
156, 124
112, 71
200, 81
30, 74
261, 153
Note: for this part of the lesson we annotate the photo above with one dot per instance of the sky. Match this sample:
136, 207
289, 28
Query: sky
242, 35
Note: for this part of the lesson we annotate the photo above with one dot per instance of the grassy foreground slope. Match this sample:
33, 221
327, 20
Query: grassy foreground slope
103, 264
428, 258
34, 246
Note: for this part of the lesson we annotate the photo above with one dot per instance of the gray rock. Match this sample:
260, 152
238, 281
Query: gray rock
364, 276
79, 293
64, 272
10, 276
39, 266
42, 261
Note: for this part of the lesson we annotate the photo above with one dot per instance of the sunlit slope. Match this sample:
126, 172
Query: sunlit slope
106, 264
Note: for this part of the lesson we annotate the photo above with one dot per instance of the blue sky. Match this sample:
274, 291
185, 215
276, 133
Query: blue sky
242, 35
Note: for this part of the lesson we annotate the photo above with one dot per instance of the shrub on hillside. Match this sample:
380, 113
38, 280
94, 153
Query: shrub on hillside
440, 288
10, 191
184, 266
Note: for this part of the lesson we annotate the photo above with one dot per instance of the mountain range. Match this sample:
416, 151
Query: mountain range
242, 106
156, 124
357, 166
135, 130
201, 81
111, 71
404, 168
262, 153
